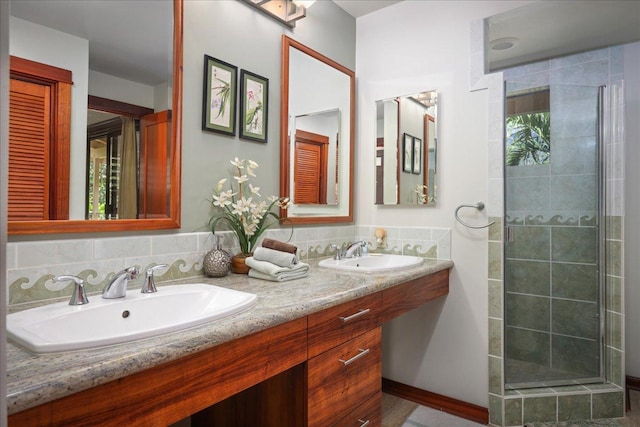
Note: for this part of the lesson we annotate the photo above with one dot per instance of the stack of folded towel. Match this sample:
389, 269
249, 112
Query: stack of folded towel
276, 261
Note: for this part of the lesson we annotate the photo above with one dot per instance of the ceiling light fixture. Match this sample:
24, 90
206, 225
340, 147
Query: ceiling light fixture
284, 11
503, 43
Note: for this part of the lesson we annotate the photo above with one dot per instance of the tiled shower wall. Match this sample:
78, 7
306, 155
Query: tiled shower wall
575, 402
32, 265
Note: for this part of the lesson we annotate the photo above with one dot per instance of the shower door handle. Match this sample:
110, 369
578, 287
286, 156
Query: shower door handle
508, 234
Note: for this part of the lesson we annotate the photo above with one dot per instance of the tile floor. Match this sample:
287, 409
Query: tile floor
427, 417
402, 413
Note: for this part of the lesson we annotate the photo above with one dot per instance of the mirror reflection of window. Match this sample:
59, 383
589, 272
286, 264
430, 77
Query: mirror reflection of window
127, 172
112, 158
528, 134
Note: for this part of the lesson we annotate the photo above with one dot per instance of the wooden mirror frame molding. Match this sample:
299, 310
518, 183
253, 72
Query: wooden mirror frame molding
173, 220
285, 167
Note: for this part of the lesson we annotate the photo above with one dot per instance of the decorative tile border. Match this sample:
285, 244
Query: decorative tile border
31, 266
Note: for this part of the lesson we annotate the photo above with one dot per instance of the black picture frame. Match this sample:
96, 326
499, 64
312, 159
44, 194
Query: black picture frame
254, 106
417, 156
407, 153
219, 96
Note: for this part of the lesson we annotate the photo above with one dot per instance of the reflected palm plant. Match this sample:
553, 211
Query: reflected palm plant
528, 139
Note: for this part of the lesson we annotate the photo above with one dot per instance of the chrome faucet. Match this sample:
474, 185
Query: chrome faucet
117, 287
149, 284
78, 296
355, 249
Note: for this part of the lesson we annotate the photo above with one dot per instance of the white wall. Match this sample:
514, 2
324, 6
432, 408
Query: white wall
51, 47
632, 208
406, 48
115, 88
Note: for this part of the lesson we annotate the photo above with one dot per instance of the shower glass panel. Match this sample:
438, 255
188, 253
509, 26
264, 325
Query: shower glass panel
553, 237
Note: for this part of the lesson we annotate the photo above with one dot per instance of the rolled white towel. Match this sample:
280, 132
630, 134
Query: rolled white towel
279, 258
268, 271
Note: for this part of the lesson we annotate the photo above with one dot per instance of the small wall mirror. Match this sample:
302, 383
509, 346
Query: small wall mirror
406, 150
317, 136
98, 58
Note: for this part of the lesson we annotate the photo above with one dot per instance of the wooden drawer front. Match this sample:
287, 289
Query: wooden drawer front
409, 295
336, 325
344, 377
369, 414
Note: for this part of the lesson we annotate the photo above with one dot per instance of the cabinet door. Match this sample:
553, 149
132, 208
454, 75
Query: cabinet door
344, 378
336, 325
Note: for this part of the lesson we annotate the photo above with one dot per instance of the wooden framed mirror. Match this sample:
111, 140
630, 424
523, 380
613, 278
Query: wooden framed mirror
316, 136
163, 142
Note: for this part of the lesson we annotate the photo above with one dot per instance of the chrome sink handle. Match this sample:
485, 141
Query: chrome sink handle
338, 251
78, 296
149, 284
117, 287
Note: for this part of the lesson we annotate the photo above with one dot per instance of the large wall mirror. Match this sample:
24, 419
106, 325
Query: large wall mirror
317, 136
406, 150
109, 75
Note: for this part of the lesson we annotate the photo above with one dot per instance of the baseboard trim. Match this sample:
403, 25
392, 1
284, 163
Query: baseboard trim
449, 405
633, 382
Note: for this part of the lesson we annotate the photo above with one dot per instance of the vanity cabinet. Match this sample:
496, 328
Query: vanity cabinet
345, 378
345, 364
318, 370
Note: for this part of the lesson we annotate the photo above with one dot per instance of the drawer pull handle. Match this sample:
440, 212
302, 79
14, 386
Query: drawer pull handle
360, 312
364, 423
362, 353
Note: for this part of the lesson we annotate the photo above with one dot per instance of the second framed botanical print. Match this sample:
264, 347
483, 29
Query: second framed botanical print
254, 103
219, 96
407, 151
417, 156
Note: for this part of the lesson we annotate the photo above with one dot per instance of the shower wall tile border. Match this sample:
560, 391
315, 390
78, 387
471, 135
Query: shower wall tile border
32, 265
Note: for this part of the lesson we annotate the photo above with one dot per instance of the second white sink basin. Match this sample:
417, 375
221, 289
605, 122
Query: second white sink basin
62, 327
373, 263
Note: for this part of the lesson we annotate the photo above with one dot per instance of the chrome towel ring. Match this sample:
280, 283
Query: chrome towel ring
479, 206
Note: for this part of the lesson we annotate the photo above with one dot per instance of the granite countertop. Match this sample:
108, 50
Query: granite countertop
36, 379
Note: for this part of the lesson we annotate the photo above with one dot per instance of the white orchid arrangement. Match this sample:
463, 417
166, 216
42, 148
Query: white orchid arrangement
247, 216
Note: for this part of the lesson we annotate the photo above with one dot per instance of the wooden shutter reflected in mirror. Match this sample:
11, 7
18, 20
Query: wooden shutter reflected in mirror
29, 140
39, 136
310, 168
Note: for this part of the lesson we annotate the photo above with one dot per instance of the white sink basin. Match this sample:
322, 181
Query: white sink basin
62, 327
373, 263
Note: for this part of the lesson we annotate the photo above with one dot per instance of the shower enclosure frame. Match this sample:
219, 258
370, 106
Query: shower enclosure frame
601, 256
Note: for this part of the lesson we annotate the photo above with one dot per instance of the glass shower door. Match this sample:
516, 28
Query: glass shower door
553, 235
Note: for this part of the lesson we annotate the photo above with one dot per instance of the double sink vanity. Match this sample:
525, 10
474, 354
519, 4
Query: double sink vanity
304, 353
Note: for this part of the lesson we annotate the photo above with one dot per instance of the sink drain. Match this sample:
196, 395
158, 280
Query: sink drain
125, 314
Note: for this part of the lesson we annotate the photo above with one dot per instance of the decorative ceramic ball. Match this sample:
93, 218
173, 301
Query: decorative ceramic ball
216, 263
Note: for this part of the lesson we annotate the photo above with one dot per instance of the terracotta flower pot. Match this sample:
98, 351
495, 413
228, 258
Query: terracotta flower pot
238, 265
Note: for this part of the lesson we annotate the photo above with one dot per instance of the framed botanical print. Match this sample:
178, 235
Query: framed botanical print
254, 103
219, 96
